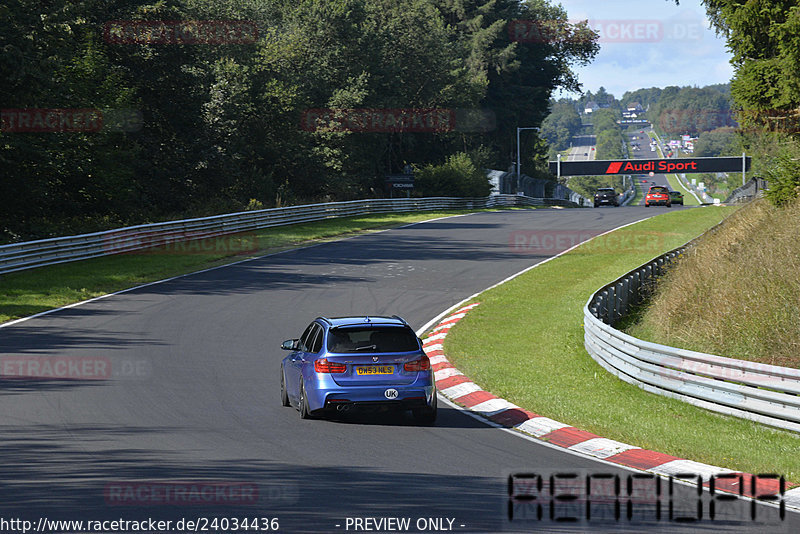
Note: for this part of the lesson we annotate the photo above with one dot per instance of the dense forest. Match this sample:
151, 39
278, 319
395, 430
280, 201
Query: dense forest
764, 41
128, 111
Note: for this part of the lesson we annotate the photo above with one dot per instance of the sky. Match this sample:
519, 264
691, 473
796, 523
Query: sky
649, 43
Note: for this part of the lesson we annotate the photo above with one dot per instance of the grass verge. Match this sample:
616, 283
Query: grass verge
638, 196
750, 267
676, 185
28, 292
524, 343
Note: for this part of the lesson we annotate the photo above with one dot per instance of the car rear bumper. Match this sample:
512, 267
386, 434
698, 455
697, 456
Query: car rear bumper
334, 404
329, 395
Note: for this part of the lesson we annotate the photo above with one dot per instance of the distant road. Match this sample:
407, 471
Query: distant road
643, 182
582, 148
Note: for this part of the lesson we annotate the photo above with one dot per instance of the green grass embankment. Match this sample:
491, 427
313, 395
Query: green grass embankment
737, 293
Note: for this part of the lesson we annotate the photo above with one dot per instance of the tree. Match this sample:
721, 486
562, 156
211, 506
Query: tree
561, 125
691, 110
719, 142
645, 97
226, 123
764, 38
457, 177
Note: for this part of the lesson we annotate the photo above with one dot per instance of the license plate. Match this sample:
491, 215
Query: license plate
375, 370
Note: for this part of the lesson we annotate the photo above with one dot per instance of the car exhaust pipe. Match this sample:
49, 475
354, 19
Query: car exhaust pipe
342, 407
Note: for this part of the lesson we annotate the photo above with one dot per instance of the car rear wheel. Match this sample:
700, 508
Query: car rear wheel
284, 394
426, 415
302, 404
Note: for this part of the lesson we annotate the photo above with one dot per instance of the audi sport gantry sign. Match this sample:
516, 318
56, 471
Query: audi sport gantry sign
646, 166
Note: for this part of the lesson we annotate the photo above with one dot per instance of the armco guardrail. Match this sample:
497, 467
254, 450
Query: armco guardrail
765, 393
749, 191
20, 256
507, 183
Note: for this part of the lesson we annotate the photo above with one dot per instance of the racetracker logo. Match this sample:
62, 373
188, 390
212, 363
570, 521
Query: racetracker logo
178, 242
180, 493
718, 369
49, 120
547, 241
605, 31
550, 242
694, 121
683, 121
180, 32
55, 368
378, 120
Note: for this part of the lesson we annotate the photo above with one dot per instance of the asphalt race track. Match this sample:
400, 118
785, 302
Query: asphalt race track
194, 393
583, 144
645, 153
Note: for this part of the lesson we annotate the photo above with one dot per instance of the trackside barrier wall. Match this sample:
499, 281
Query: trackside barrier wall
20, 256
765, 393
752, 189
506, 183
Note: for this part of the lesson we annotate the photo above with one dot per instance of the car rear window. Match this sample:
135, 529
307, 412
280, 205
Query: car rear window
656, 189
372, 339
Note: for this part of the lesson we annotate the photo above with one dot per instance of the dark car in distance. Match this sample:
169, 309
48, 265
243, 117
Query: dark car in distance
606, 195
676, 197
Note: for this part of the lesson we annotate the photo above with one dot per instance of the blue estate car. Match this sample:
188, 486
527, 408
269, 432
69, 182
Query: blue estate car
345, 363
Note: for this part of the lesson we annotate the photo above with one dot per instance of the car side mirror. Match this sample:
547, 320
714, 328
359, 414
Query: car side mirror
289, 344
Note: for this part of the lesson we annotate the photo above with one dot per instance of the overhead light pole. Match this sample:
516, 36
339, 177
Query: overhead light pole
518, 158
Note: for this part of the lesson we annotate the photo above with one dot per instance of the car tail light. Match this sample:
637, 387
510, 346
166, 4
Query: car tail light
423, 364
324, 366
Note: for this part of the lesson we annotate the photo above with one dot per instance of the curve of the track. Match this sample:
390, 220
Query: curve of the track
195, 393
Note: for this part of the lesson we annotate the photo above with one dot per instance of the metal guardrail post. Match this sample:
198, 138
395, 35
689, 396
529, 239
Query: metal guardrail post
603, 305
636, 286
622, 298
611, 304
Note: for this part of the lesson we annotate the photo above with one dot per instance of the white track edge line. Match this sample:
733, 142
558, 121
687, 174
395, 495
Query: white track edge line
438, 318
538, 441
